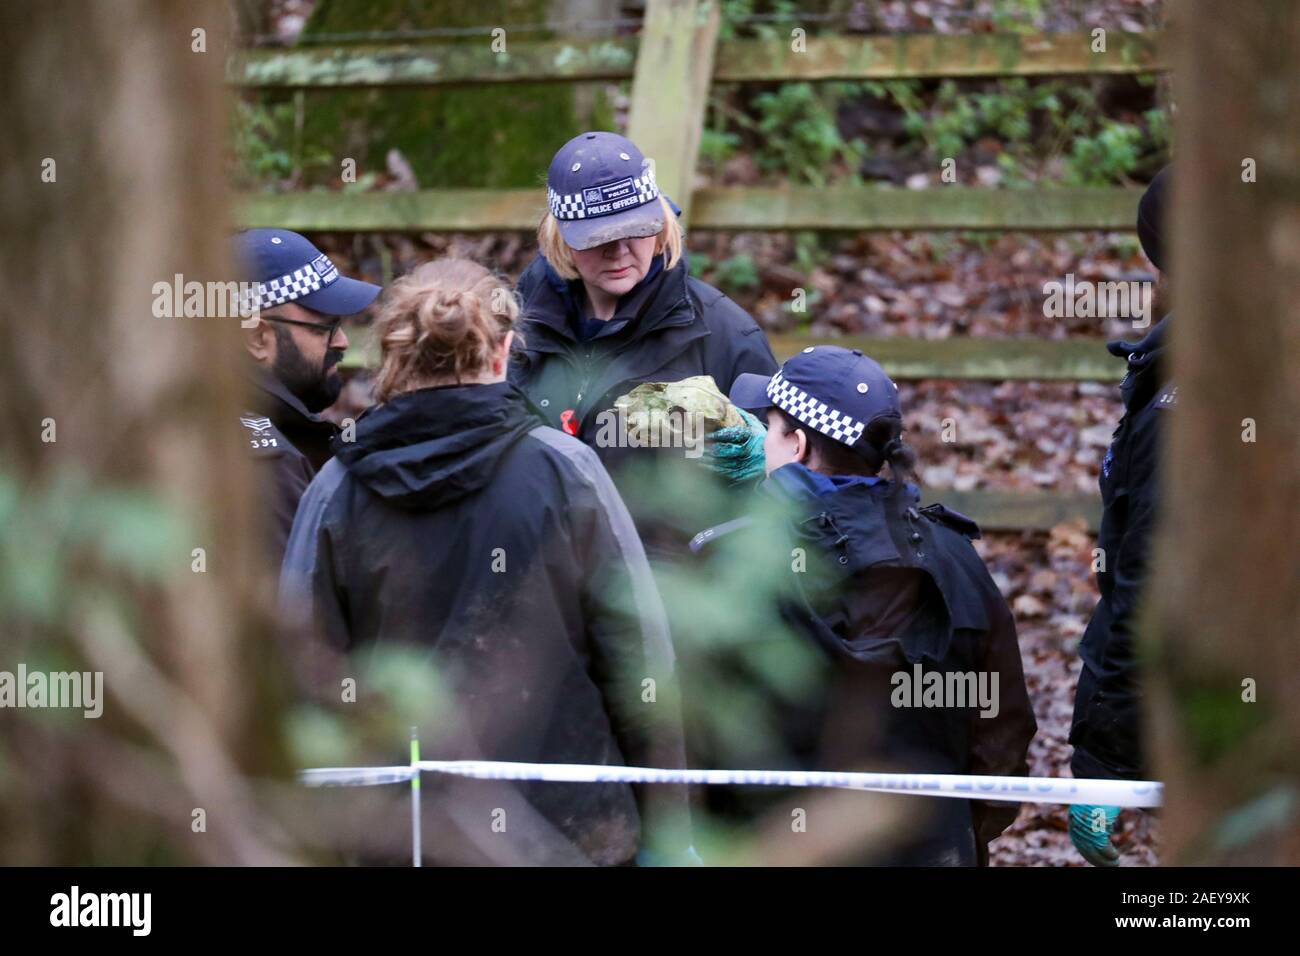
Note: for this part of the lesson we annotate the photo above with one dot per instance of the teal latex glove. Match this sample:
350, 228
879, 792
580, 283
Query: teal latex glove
736, 452
1090, 829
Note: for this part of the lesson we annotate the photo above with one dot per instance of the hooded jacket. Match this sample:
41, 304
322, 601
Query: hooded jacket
892, 593
1106, 732
458, 523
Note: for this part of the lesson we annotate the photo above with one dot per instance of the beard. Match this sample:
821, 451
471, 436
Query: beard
316, 386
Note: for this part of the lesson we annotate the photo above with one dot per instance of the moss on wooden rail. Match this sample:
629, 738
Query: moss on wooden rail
842, 208
432, 64
1009, 510
848, 208
995, 359
827, 57
430, 210
906, 56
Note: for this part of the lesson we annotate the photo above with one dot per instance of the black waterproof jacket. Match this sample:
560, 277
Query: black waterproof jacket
1106, 733
669, 327
889, 586
290, 445
457, 522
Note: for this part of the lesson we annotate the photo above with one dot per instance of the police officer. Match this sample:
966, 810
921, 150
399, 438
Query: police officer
1106, 732
295, 347
888, 588
609, 302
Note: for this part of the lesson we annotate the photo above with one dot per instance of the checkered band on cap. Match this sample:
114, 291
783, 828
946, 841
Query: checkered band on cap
566, 206
813, 412
569, 206
288, 288
645, 184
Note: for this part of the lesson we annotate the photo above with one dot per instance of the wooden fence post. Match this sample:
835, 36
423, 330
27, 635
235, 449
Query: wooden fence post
670, 89
1225, 673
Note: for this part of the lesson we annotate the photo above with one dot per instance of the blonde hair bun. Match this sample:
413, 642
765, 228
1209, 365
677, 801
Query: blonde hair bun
441, 324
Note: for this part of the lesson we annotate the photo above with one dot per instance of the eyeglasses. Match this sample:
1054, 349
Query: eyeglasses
331, 327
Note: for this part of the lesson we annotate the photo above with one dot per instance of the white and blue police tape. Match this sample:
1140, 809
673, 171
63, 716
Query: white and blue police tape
356, 776
1063, 790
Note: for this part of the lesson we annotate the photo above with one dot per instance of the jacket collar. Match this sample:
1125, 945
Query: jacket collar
1145, 351
801, 483
551, 305
286, 410
1146, 372
849, 512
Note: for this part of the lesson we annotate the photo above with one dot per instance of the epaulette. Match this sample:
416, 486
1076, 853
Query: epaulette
264, 439
953, 519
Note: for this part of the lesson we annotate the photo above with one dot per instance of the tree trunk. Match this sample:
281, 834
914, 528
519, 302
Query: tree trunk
1227, 585
113, 145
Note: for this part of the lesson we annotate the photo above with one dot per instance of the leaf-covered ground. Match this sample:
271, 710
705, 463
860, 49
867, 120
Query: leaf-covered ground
1047, 580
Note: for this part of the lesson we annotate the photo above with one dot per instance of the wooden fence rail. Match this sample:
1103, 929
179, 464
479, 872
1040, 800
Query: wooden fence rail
836, 209
737, 61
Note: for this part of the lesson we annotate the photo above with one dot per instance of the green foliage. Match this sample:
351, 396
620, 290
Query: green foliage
983, 241
398, 688
1216, 722
263, 135
259, 132
1159, 131
700, 264
1017, 16
736, 273
717, 146
364, 183
797, 134
1109, 155
739, 663
778, 16
1033, 124
1126, 246
407, 679
319, 738
956, 119
809, 252
126, 528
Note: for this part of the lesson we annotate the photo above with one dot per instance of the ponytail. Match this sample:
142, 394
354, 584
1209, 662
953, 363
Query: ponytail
880, 444
902, 463
883, 444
